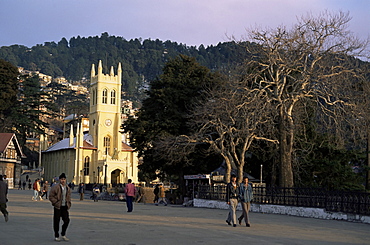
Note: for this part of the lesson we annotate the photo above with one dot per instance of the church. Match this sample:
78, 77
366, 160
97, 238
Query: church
101, 155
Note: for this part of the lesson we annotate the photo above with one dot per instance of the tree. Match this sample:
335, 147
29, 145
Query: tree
307, 62
32, 109
165, 113
234, 115
8, 93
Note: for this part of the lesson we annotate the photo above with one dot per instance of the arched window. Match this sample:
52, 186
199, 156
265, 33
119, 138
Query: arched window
105, 96
86, 166
113, 97
107, 144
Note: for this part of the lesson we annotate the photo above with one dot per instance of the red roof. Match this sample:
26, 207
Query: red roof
126, 147
5, 139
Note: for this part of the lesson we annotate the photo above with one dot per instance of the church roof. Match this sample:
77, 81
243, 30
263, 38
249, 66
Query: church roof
87, 144
126, 147
64, 144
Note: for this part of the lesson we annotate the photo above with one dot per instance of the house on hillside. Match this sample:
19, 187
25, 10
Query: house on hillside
10, 158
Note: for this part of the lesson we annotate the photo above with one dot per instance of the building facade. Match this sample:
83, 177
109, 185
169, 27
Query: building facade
101, 155
10, 158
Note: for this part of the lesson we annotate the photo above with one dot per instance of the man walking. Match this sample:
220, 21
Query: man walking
81, 190
45, 189
246, 196
36, 190
161, 195
130, 192
60, 198
232, 194
3, 198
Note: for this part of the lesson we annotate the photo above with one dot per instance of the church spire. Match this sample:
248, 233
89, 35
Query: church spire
100, 68
71, 136
93, 70
111, 71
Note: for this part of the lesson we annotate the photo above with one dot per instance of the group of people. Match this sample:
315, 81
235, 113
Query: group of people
38, 192
60, 198
234, 193
159, 195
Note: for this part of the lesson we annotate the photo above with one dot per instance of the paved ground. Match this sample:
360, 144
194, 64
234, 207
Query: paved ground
107, 222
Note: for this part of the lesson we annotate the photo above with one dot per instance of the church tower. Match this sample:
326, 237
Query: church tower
105, 110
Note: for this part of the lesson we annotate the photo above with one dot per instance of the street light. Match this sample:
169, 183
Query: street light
98, 175
105, 174
261, 175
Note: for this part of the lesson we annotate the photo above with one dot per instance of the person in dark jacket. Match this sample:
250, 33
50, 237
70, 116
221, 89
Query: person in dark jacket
81, 190
232, 194
3, 198
45, 189
246, 196
60, 198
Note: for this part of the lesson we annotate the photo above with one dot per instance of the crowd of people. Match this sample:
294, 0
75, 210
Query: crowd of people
59, 194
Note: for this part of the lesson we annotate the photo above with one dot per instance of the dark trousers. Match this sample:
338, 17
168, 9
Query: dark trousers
129, 203
64, 214
3, 208
45, 193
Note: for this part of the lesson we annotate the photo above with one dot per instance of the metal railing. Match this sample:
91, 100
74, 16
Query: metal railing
333, 201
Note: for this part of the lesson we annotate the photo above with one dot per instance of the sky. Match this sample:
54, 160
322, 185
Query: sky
190, 22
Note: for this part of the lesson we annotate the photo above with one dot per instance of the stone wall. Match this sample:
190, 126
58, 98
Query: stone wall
317, 213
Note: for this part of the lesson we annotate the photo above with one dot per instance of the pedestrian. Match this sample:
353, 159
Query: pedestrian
130, 192
20, 185
4, 198
161, 195
60, 198
156, 192
246, 196
232, 194
141, 193
45, 189
24, 185
95, 192
29, 184
36, 190
81, 190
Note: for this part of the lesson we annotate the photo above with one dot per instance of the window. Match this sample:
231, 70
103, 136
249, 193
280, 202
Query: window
86, 166
107, 145
105, 96
93, 99
113, 97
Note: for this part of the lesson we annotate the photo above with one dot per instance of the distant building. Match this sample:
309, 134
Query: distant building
101, 155
10, 158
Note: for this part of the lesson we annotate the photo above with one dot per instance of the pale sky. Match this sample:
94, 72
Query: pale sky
191, 22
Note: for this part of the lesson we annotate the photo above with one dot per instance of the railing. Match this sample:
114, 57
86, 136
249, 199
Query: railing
334, 201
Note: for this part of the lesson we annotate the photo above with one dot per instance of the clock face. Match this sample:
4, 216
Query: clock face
108, 122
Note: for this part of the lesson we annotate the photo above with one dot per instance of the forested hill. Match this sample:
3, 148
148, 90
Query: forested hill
142, 60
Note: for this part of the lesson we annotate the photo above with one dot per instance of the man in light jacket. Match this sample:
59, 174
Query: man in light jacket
60, 198
246, 196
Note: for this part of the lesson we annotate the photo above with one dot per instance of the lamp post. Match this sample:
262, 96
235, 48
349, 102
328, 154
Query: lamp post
105, 174
81, 176
98, 175
261, 175
93, 176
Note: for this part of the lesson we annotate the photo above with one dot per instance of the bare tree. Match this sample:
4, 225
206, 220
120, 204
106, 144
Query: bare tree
308, 61
234, 116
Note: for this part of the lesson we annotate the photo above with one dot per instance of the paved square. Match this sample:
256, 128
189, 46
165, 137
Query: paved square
107, 222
